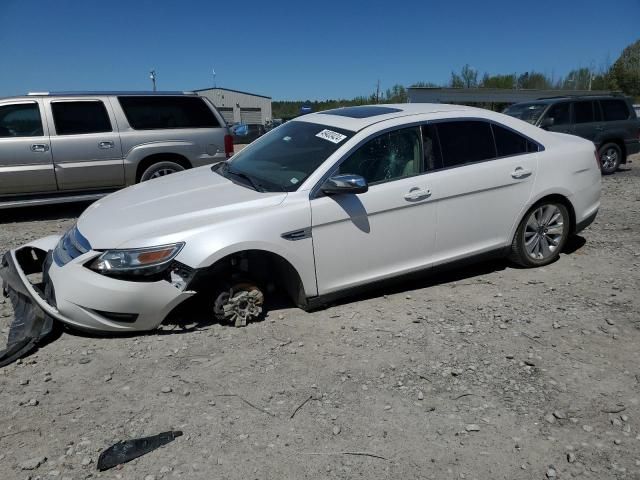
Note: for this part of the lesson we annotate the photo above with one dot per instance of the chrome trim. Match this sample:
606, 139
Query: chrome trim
295, 235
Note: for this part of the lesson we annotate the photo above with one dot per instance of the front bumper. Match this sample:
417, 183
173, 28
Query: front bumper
87, 300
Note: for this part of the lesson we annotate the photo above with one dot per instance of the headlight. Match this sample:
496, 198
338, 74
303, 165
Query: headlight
136, 261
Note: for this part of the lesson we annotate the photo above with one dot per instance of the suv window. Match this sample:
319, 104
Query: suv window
510, 143
20, 120
465, 142
614, 110
560, 113
79, 117
392, 155
583, 112
149, 113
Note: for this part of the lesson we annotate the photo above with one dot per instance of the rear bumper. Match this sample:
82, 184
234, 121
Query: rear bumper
87, 300
586, 221
632, 147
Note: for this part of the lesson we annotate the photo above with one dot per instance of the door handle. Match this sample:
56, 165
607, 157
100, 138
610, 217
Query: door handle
520, 172
417, 194
39, 147
108, 144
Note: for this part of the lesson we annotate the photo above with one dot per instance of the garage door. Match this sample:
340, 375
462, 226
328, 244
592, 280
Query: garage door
251, 116
227, 114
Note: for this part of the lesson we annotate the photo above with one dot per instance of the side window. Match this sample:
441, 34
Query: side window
560, 113
20, 120
150, 113
510, 143
614, 110
465, 142
72, 118
431, 146
583, 112
389, 156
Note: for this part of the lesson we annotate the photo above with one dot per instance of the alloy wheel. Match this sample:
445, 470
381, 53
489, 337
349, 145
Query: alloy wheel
543, 232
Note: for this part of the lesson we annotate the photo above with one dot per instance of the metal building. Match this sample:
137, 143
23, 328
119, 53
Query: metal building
236, 106
489, 95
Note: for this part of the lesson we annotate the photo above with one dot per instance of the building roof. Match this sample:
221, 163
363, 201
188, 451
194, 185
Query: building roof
230, 90
491, 95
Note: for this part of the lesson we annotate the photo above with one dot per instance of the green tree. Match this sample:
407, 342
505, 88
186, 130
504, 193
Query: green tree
625, 72
498, 81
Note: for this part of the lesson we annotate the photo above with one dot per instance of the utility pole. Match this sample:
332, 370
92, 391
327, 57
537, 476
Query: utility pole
378, 92
152, 76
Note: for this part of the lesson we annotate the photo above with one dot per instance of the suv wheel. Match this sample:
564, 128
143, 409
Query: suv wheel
610, 157
541, 235
160, 169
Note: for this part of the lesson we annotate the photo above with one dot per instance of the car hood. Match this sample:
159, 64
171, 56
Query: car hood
167, 209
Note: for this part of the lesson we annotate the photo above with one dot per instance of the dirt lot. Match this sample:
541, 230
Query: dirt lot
487, 372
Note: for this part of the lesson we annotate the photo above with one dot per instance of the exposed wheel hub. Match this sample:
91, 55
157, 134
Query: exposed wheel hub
240, 304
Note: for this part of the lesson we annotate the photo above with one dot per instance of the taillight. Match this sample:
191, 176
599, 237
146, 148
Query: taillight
595, 152
228, 145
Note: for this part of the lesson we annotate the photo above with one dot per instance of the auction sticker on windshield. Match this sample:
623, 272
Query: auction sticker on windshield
333, 137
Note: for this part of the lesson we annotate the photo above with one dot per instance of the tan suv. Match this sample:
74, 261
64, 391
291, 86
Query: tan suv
63, 147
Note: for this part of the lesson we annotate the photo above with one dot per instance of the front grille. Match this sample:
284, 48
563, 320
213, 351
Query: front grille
71, 245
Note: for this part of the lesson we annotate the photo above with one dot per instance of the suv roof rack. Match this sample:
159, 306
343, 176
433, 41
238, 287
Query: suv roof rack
109, 92
582, 95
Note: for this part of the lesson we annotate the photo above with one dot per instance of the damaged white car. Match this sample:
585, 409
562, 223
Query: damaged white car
321, 205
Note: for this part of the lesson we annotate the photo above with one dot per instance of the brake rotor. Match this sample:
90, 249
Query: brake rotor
243, 302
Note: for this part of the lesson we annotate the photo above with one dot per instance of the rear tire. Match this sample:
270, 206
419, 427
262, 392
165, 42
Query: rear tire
160, 169
541, 235
610, 157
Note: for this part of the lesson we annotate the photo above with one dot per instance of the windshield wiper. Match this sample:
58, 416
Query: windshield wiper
251, 181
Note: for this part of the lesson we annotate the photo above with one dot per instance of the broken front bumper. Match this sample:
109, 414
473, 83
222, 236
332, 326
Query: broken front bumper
84, 299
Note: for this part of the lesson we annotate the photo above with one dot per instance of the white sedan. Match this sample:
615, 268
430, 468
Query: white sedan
319, 206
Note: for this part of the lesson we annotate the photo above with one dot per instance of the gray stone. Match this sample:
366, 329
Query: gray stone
166, 389
336, 430
32, 463
472, 427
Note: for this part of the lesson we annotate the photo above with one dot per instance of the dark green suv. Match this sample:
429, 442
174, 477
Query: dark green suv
610, 122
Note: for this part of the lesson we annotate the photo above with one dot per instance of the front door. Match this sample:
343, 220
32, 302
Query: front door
386, 231
26, 165
86, 146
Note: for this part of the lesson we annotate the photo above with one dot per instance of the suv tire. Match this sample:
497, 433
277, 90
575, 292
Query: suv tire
160, 169
610, 157
541, 235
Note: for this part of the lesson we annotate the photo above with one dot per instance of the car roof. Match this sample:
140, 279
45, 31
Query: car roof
568, 98
99, 93
357, 118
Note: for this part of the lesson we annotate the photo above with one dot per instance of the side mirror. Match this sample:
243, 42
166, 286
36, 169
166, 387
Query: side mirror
546, 122
346, 183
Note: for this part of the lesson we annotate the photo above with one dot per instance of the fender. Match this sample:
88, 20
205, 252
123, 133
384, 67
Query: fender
138, 153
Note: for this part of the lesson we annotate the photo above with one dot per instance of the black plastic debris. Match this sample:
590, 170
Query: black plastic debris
123, 452
31, 326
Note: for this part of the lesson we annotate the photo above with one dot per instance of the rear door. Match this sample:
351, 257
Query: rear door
482, 187
85, 143
26, 164
587, 119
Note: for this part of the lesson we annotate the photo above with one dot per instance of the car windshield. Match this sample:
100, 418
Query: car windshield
529, 112
281, 160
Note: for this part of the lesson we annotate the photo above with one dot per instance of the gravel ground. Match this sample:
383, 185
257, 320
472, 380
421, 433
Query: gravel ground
485, 372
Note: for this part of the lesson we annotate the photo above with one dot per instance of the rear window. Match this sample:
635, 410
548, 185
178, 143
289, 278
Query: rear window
583, 112
72, 118
465, 142
614, 110
149, 113
510, 143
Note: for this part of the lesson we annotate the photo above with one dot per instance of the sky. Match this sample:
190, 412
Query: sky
299, 50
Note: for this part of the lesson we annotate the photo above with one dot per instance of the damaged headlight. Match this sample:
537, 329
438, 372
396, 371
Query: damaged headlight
136, 261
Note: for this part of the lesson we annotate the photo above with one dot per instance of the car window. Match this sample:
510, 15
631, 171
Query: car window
560, 113
390, 156
583, 112
282, 159
431, 147
614, 110
79, 117
529, 112
465, 142
510, 143
20, 120
148, 112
